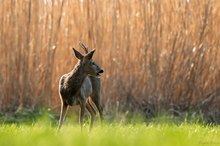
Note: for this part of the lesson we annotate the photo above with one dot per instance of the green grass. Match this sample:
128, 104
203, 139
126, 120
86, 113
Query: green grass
43, 134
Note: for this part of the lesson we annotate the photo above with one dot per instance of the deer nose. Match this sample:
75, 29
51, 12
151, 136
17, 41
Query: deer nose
101, 71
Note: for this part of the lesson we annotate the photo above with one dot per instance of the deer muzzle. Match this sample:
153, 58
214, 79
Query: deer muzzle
100, 72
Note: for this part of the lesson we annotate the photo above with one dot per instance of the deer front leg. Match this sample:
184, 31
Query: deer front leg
82, 113
63, 111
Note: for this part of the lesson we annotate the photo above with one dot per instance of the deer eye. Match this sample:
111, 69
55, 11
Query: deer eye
92, 62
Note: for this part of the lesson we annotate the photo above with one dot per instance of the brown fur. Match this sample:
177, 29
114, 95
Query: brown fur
76, 86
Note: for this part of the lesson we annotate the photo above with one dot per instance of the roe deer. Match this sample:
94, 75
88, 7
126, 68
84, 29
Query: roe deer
76, 86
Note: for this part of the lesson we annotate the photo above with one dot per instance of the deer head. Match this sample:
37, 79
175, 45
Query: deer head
88, 64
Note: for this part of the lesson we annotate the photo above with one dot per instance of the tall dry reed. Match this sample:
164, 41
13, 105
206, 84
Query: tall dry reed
161, 52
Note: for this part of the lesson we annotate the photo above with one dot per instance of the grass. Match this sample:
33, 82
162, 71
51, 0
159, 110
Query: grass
163, 134
161, 51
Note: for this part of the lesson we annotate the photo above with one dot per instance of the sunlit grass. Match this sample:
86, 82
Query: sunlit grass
110, 134
165, 52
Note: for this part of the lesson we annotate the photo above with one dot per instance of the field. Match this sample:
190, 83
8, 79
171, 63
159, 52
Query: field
41, 134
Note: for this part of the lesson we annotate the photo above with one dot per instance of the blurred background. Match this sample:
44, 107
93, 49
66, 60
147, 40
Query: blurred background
158, 55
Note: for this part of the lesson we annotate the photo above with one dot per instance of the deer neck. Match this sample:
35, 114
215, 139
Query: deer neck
76, 78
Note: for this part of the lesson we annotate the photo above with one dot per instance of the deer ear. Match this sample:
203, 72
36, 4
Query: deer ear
77, 54
90, 54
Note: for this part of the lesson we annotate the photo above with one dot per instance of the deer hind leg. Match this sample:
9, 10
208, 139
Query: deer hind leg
96, 100
92, 112
63, 111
